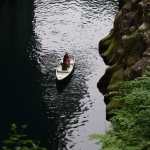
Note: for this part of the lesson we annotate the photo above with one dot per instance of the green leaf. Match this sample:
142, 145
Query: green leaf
26, 148
12, 138
6, 148
26, 141
13, 126
21, 135
8, 142
17, 148
15, 140
24, 126
42, 148
34, 145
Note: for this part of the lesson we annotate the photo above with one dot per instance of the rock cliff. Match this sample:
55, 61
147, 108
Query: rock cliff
127, 47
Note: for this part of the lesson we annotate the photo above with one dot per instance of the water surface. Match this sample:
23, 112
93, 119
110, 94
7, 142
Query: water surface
34, 35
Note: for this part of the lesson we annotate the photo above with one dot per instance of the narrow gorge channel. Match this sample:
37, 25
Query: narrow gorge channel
34, 35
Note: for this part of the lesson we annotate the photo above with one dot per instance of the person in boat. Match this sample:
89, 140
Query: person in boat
67, 59
64, 65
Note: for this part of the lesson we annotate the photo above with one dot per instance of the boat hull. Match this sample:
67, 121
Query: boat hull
62, 74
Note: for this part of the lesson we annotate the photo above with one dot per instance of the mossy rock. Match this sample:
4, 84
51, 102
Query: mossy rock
105, 79
111, 53
117, 78
104, 82
136, 70
108, 37
132, 44
125, 23
144, 69
127, 74
132, 59
113, 104
148, 50
105, 42
105, 46
124, 62
117, 19
121, 3
136, 21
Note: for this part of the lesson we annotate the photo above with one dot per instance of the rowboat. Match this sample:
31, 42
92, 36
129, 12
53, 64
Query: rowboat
62, 74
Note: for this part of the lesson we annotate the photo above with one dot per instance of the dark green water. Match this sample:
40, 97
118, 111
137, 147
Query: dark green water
33, 36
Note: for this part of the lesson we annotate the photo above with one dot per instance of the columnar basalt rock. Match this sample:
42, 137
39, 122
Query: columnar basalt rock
127, 48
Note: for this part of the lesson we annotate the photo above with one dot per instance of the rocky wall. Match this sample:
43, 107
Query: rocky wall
127, 47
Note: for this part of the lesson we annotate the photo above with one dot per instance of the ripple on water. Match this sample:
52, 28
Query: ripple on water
76, 27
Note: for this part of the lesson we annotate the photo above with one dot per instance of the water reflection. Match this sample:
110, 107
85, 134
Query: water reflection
57, 114
74, 27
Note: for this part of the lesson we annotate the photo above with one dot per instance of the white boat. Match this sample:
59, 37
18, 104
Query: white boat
62, 74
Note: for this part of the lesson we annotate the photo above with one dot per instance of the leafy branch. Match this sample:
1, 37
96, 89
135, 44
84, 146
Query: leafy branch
16, 141
130, 124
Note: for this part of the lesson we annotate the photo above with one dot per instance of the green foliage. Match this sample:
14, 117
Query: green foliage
16, 141
131, 123
141, 32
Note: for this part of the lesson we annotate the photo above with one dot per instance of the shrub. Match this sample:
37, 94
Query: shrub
16, 141
130, 124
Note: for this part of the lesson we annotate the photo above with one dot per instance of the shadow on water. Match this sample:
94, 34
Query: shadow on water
61, 85
18, 66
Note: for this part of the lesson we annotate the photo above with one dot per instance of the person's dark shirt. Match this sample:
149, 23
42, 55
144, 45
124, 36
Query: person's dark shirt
64, 66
